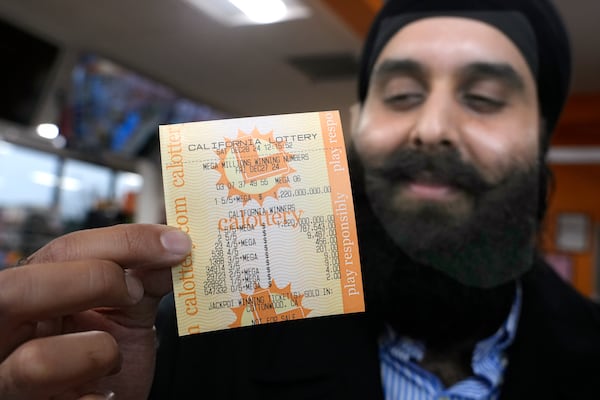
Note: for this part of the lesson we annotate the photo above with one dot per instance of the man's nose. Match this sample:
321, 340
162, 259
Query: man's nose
435, 124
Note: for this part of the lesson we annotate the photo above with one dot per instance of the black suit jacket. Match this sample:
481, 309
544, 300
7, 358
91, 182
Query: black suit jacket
555, 355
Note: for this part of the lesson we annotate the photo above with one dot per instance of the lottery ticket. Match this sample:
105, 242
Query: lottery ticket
268, 205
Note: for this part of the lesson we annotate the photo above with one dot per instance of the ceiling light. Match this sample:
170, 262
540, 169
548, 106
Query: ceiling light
262, 11
47, 131
252, 12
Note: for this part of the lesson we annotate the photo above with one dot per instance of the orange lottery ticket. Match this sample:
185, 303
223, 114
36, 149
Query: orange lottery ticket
268, 205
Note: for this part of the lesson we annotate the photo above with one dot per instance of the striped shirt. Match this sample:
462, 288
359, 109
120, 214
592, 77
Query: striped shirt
404, 379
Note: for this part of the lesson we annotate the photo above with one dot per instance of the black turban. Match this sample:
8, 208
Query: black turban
538, 33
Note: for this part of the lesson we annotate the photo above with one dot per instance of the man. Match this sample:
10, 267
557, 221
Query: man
458, 101
457, 104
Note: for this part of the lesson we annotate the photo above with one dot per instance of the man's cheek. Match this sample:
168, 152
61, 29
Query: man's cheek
496, 159
497, 173
376, 144
369, 152
492, 168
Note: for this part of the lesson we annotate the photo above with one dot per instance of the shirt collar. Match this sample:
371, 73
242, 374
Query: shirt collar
488, 359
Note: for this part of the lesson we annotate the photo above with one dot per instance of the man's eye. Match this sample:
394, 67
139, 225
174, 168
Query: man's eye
403, 101
482, 104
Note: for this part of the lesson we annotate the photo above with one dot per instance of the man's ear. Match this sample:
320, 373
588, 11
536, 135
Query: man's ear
354, 112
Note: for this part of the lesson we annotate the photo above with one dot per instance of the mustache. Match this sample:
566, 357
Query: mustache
442, 166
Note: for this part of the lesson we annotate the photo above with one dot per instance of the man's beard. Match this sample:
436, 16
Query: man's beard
482, 238
435, 273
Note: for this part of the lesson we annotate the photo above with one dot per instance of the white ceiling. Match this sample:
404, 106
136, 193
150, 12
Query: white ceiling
240, 70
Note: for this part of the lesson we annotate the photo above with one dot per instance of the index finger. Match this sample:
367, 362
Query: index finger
130, 245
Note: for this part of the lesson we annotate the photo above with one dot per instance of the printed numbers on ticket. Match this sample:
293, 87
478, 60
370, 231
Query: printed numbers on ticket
268, 205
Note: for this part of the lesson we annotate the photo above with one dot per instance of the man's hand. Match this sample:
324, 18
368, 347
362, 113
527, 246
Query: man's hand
77, 320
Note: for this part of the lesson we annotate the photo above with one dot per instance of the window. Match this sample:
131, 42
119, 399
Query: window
84, 187
27, 177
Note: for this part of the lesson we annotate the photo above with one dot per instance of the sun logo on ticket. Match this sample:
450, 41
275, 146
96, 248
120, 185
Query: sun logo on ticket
254, 166
269, 305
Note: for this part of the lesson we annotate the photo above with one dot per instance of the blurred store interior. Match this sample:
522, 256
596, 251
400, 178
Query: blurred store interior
86, 84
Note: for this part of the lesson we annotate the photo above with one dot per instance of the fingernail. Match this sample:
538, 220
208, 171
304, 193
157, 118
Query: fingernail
106, 395
176, 242
135, 288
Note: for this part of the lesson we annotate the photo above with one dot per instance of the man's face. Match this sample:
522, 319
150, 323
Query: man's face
449, 136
